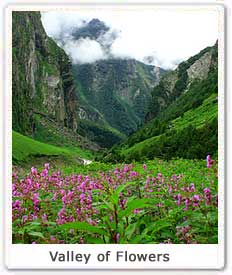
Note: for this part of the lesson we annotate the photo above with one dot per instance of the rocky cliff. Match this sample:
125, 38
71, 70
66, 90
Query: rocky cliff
177, 82
42, 81
117, 91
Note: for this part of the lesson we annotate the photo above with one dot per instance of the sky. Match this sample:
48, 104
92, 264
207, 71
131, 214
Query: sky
166, 36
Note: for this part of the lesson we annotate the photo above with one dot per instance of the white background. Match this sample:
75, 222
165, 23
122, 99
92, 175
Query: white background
228, 269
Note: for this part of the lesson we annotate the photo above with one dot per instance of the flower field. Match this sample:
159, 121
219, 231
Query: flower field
157, 202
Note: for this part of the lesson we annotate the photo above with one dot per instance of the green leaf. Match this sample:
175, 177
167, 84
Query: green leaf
115, 196
51, 223
83, 226
130, 230
36, 234
156, 226
91, 240
107, 205
138, 203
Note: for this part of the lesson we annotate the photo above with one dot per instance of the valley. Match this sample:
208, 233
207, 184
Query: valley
113, 150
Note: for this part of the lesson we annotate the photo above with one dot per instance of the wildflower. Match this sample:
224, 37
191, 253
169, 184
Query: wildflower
144, 167
44, 173
82, 196
136, 211
179, 199
117, 237
186, 204
192, 187
196, 199
208, 196
209, 161
133, 174
159, 176
34, 170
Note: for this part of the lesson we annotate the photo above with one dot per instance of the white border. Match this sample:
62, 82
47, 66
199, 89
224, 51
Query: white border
182, 256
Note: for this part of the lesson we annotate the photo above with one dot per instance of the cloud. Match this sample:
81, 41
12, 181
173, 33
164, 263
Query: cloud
84, 50
166, 36
57, 24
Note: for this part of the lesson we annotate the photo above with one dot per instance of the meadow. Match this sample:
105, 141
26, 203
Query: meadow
139, 203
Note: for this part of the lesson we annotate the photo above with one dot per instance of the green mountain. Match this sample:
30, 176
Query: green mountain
60, 103
42, 77
113, 93
116, 92
182, 118
44, 101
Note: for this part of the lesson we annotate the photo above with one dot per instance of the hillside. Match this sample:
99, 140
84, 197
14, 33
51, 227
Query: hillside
116, 92
42, 76
27, 151
44, 94
182, 121
113, 93
68, 104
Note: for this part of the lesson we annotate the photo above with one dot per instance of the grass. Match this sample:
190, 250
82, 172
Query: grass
199, 116
25, 149
168, 168
196, 117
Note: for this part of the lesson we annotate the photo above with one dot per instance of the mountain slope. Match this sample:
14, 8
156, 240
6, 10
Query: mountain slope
42, 76
27, 151
183, 114
44, 101
116, 92
113, 93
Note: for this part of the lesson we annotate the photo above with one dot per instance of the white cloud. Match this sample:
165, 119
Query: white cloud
84, 50
168, 35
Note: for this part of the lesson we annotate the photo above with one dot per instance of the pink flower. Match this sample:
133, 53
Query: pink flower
44, 173
209, 161
136, 211
208, 196
186, 204
117, 237
207, 190
34, 170
44, 217
133, 174
52, 238
159, 176
35, 199
82, 196
47, 166
144, 166
196, 197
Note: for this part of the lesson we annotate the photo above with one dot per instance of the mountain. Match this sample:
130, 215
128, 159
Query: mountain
42, 77
93, 30
67, 104
44, 101
182, 117
116, 92
113, 93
